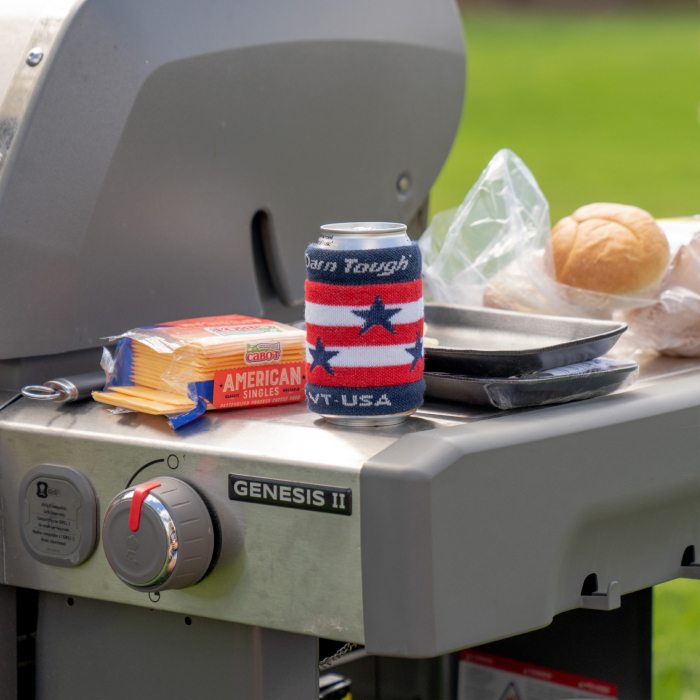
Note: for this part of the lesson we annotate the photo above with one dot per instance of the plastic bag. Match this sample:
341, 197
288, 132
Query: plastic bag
494, 250
504, 219
672, 325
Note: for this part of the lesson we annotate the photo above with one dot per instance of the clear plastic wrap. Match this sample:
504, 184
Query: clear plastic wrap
672, 324
494, 250
504, 219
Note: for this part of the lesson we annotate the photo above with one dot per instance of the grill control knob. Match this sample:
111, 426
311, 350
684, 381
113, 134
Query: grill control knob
158, 535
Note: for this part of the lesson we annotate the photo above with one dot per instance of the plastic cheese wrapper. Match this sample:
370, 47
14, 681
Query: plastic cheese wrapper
183, 368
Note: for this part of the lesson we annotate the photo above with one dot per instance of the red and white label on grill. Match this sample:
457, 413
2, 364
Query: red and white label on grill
487, 677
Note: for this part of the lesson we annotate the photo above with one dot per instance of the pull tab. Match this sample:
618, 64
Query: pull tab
140, 493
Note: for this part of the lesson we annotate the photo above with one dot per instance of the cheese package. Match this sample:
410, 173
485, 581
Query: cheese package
183, 368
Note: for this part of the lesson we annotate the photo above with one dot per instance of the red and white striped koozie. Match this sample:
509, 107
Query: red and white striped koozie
364, 329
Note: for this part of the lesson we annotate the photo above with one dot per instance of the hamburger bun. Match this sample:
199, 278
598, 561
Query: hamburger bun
609, 248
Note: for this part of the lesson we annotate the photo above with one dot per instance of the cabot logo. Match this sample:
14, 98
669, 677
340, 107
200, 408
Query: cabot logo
260, 353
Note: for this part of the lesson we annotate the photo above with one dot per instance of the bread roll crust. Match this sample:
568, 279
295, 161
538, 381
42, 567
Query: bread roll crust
610, 248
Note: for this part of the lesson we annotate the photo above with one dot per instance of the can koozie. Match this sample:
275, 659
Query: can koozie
364, 330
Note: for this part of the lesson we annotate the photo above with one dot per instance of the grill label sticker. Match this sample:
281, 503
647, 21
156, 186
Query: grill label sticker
52, 523
58, 515
290, 494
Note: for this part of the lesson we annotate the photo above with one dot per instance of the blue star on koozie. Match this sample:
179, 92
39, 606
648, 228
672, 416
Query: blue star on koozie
377, 315
322, 357
416, 352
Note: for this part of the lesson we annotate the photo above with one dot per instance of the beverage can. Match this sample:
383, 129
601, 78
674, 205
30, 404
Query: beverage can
364, 320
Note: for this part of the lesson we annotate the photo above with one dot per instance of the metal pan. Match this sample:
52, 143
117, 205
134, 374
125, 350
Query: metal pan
493, 343
533, 390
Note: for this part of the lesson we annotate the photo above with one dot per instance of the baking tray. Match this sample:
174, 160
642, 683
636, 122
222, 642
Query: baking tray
532, 390
482, 342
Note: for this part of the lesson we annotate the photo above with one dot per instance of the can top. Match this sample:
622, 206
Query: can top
364, 227
355, 235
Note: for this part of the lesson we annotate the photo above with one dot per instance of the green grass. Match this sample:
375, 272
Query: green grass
676, 642
601, 108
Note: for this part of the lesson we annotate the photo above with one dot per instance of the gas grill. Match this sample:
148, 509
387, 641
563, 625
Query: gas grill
163, 160
461, 527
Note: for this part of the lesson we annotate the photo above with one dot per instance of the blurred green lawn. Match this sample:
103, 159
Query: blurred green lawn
601, 108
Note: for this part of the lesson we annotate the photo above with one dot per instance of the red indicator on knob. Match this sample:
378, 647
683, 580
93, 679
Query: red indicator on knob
140, 493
